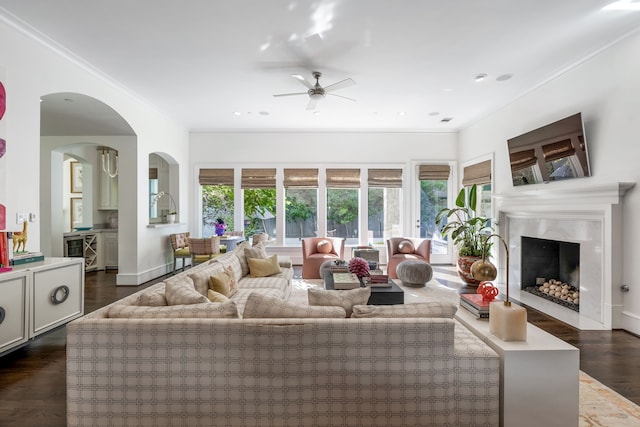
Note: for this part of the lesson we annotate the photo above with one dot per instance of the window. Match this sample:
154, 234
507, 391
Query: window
301, 204
343, 203
434, 182
259, 188
480, 174
217, 199
384, 202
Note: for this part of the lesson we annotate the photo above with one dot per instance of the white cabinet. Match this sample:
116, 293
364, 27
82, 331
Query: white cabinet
13, 310
58, 295
110, 249
39, 297
108, 191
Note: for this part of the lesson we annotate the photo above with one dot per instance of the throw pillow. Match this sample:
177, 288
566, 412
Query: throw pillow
152, 298
432, 309
233, 283
264, 267
406, 247
345, 299
242, 258
200, 275
260, 306
220, 283
324, 246
182, 291
258, 251
216, 296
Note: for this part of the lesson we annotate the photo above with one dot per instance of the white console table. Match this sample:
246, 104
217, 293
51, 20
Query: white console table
39, 297
539, 378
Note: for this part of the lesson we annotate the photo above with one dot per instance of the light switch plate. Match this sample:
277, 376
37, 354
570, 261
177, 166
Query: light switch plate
21, 217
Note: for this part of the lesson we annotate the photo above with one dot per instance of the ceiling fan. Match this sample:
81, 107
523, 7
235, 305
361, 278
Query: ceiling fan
317, 92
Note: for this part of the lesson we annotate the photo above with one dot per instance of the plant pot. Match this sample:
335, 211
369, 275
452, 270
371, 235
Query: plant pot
464, 269
171, 218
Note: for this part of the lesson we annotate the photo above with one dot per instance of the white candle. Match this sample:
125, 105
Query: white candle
508, 322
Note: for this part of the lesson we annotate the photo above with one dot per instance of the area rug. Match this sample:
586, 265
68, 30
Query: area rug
599, 405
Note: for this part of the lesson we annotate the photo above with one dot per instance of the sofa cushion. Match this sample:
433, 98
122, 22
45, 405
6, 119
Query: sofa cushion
240, 297
324, 246
220, 283
201, 274
216, 296
406, 247
257, 251
263, 267
153, 298
345, 299
182, 291
234, 261
260, 306
432, 309
239, 254
233, 282
227, 310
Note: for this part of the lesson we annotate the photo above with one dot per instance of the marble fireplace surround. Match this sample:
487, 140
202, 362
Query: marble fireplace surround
588, 215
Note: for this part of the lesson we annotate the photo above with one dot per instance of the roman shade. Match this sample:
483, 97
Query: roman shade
385, 178
479, 173
558, 150
522, 159
343, 178
258, 178
301, 178
434, 172
153, 173
216, 177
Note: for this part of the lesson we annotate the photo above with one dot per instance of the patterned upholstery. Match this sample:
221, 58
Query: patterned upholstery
279, 372
180, 246
418, 309
203, 249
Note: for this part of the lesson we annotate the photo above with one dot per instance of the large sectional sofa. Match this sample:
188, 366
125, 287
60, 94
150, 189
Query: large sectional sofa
234, 363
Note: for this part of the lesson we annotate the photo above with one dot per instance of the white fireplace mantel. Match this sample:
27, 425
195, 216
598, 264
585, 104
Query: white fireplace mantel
588, 215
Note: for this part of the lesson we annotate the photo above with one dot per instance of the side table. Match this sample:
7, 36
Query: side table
539, 378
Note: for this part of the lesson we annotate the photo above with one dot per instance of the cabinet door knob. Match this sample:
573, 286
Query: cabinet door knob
64, 290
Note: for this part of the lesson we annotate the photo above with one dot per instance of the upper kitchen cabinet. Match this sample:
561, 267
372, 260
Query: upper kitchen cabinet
108, 178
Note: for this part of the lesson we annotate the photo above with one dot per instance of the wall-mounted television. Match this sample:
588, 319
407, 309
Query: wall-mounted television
555, 152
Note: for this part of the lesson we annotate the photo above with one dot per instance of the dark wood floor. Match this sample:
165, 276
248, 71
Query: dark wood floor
32, 378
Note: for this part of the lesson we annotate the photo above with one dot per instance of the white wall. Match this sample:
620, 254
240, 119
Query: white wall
30, 70
606, 89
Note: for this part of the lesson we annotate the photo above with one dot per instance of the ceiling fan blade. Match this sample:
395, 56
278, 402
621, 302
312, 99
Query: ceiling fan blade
291, 94
312, 104
340, 96
339, 85
302, 80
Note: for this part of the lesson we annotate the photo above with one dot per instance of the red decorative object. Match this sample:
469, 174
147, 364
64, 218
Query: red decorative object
359, 267
488, 291
3, 100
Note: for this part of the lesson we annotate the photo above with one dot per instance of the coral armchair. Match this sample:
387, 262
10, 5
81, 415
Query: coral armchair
316, 250
398, 250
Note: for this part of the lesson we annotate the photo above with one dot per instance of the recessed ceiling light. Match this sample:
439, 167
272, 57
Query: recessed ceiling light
236, 113
316, 113
504, 77
68, 99
264, 113
434, 113
401, 113
446, 119
480, 77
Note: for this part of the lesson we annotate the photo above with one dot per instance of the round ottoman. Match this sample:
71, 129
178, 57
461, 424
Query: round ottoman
414, 273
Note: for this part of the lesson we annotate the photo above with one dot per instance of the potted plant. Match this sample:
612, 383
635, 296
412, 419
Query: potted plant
467, 230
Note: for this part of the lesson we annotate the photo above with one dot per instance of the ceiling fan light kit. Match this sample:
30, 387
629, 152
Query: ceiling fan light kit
316, 92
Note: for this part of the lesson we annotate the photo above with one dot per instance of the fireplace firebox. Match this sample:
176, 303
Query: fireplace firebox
550, 269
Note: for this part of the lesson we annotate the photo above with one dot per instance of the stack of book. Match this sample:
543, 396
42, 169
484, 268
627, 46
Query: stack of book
378, 280
339, 268
475, 305
26, 257
345, 281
